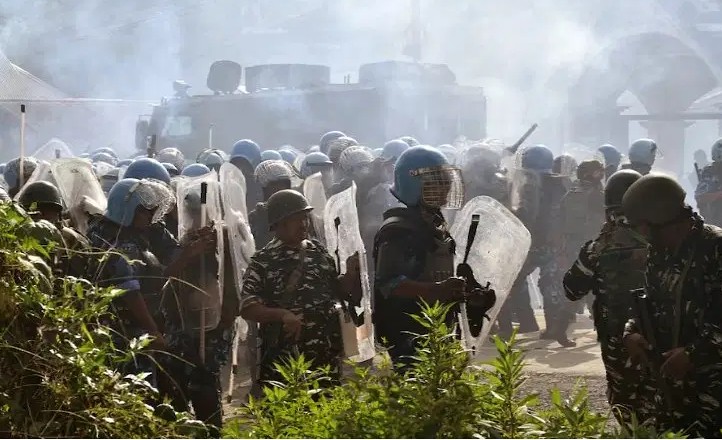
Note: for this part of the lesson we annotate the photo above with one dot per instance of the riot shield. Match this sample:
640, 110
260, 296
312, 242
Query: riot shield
207, 296
343, 241
80, 190
524, 194
42, 173
53, 149
497, 255
240, 239
315, 193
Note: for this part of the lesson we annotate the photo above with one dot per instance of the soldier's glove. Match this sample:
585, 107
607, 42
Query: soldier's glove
463, 270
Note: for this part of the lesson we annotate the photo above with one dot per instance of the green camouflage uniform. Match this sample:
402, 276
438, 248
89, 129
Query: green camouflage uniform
608, 268
266, 280
684, 291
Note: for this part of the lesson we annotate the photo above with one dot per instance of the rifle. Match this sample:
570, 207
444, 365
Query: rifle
699, 173
515, 146
641, 305
477, 298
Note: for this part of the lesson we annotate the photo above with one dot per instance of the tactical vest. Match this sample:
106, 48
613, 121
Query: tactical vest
391, 314
622, 264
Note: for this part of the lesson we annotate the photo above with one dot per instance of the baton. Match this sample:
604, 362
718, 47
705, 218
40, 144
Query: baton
22, 147
204, 193
472, 235
522, 139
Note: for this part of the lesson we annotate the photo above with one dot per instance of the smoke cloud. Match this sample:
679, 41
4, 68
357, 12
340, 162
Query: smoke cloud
526, 53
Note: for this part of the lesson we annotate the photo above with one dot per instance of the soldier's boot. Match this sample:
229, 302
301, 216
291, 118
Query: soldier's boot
547, 333
522, 307
205, 394
561, 326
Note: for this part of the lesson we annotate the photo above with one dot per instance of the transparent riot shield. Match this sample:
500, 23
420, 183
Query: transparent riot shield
240, 240
53, 149
315, 193
497, 255
343, 241
524, 194
242, 246
80, 190
42, 173
207, 296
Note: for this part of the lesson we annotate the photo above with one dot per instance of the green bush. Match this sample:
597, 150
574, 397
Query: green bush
56, 358
442, 396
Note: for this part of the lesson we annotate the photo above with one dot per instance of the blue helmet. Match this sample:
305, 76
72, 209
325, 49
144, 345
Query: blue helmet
393, 149
716, 151
106, 150
172, 155
247, 149
410, 141
423, 176
271, 155
643, 151
102, 156
612, 156
172, 170
147, 168
195, 170
213, 159
314, 149
538, 158
312, 163
127, 194
326, 140
125, 163
288, 155
11, 173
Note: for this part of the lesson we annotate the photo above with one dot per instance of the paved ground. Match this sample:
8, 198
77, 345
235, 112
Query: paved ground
548, 365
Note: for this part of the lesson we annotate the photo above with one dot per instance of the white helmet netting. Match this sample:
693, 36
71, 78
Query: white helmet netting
271, 171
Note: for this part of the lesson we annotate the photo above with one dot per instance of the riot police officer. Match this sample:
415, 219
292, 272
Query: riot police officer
612, 159
642, 154
246, 155
11, 173
413, 250
709, 189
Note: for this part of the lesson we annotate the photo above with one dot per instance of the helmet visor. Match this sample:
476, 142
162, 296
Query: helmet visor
442, 187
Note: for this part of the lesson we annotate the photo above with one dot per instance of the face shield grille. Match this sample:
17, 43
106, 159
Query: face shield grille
153, 195
442, 187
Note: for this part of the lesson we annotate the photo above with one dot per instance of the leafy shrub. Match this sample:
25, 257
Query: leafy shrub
441, 396
56, 356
